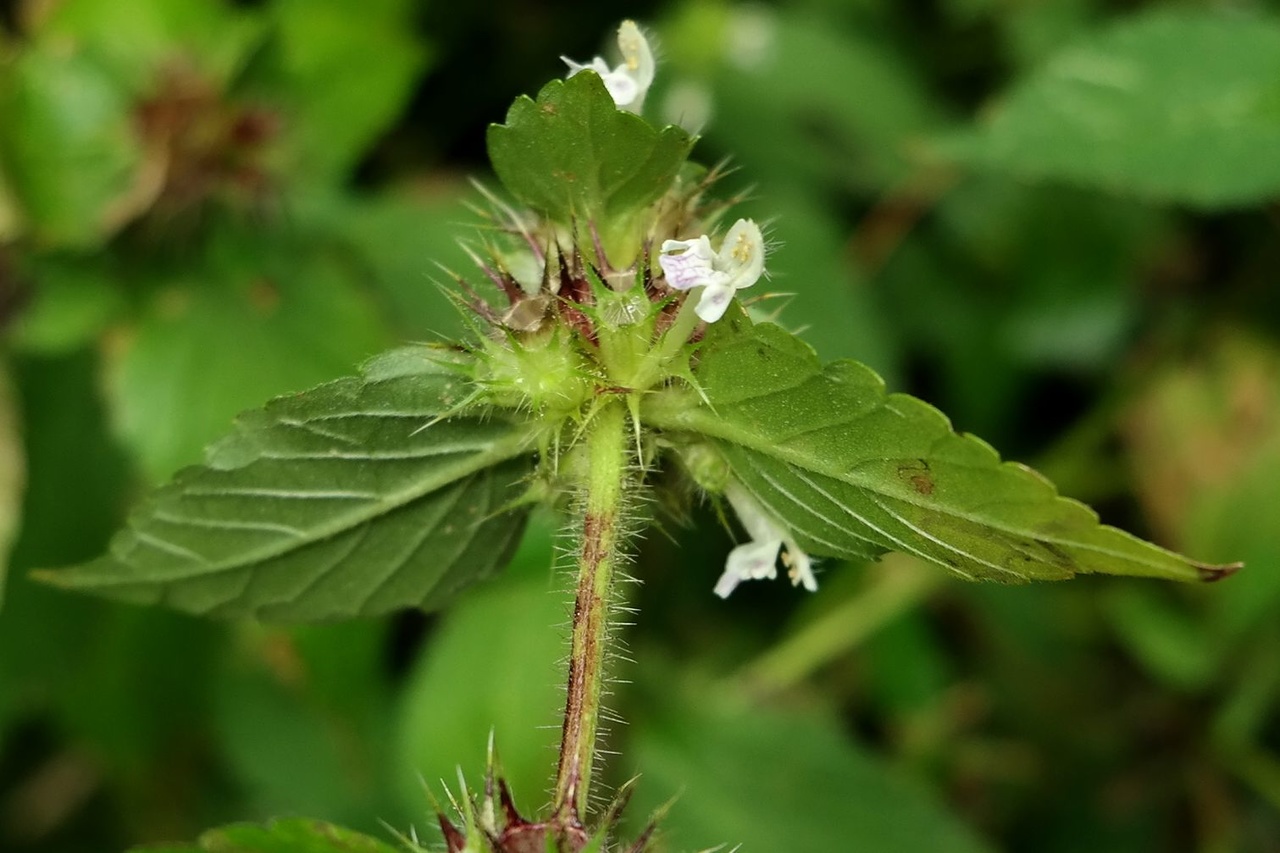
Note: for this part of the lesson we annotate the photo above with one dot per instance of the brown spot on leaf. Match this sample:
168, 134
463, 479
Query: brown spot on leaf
917, 474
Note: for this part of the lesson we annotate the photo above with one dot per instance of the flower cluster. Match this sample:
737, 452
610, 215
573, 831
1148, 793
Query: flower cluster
718, 274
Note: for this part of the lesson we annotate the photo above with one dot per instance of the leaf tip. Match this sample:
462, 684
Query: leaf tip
1210, 574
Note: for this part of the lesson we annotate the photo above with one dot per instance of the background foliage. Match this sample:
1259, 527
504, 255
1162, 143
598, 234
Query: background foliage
1055, 220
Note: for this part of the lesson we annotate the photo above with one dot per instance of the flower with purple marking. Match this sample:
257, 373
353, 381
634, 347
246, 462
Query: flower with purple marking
692, 263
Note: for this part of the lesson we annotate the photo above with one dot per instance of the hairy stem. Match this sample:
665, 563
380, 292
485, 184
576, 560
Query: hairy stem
672, 342
597, 561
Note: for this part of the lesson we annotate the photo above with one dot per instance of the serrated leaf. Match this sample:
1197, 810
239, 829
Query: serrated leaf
1173, 105
856, 472
347, 500
574, 154
296, 835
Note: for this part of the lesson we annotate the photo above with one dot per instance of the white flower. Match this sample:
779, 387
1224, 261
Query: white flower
758, 558
738, 264
629, 82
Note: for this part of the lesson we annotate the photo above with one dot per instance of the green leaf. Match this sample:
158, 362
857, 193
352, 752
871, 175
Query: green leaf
792, 102
13, 472
350, 499
296, 835
293, 309
141, 40
855, 472
574, 155
300, 717
775, 780
495, 666
342, 99
68, 140
72, 303
401, 236
9, 221
1173, 105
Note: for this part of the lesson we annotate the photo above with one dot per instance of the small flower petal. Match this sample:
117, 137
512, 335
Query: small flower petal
597, 65
621, 87
700, 248
636, 55
741, 254
629, 82
738, 264
690, 266
757, 559
752, 561
755, 518
714, 302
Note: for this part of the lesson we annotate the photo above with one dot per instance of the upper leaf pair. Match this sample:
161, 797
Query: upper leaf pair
574, 156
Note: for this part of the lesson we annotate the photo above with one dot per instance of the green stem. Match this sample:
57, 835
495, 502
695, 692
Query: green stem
676, 336
597, 561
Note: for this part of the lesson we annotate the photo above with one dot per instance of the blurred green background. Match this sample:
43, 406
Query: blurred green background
1057, 220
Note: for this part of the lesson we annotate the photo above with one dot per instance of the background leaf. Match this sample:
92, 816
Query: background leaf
301, 715
296, 835
855, 472
771, 779
73, 302
347, 70
9, 220
1175, 105
245, 319
152, 36
405, 237
345, 500
494, 666
13, 472
798, 99
68, 140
